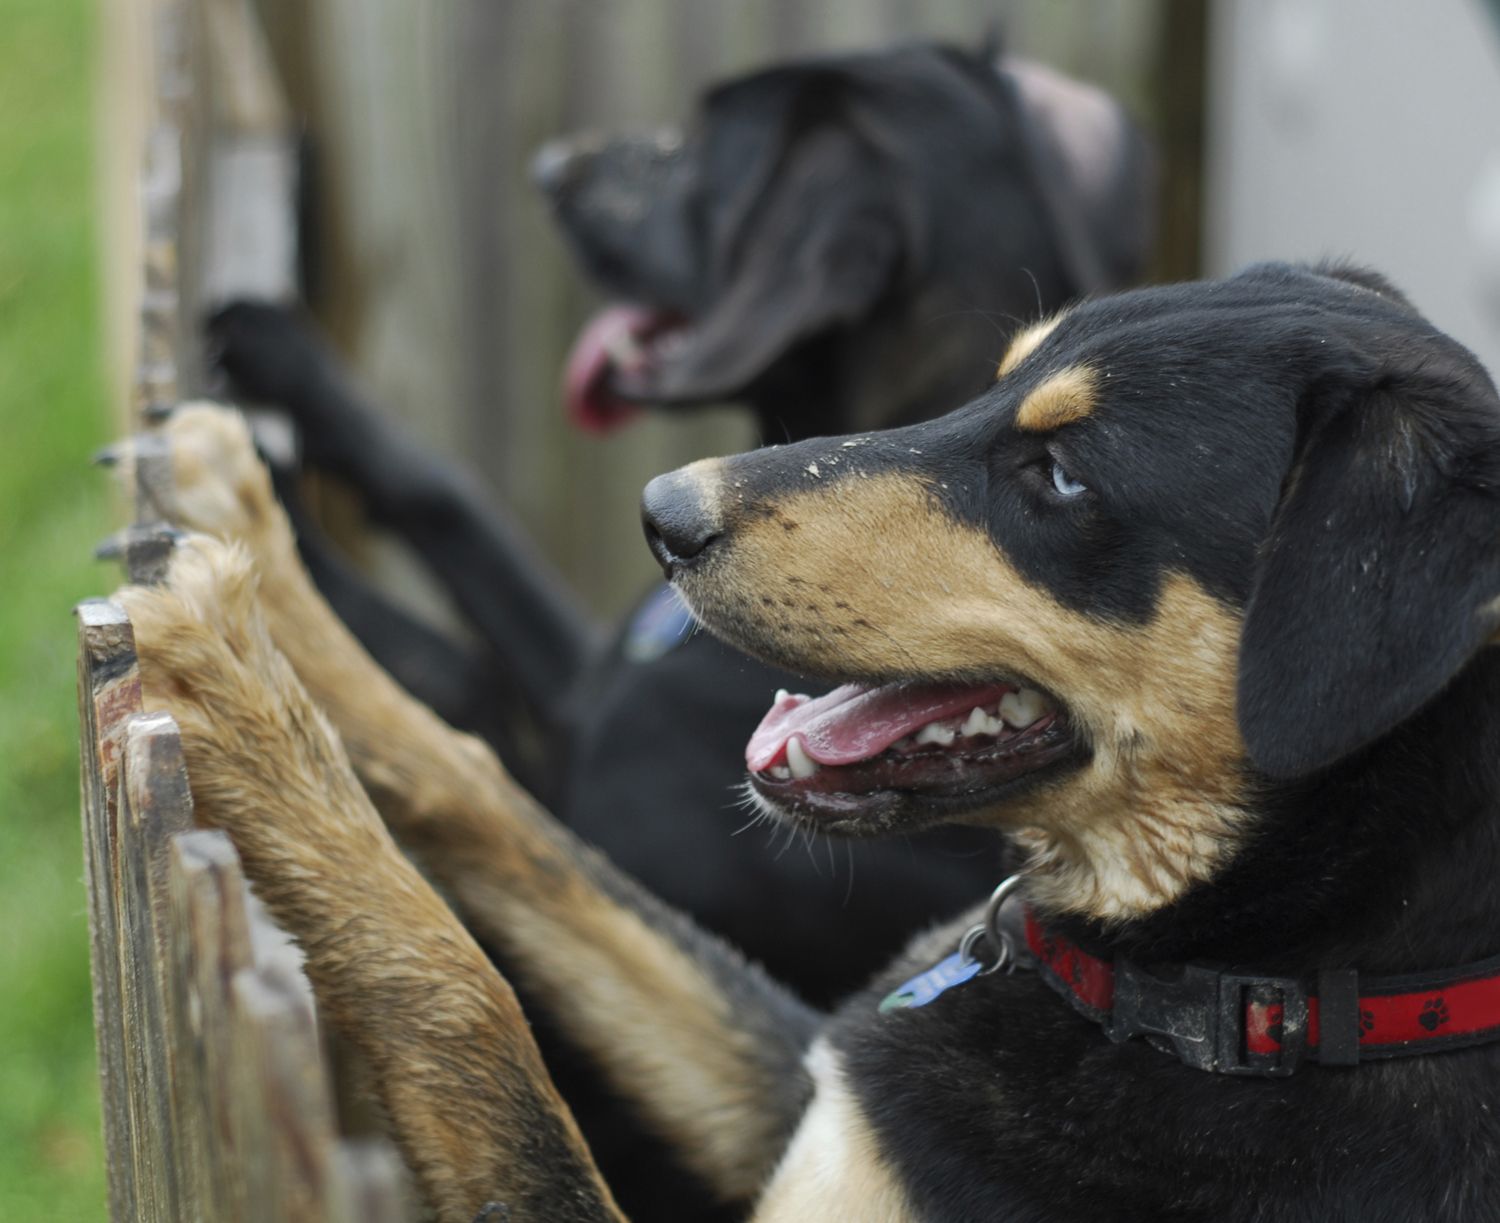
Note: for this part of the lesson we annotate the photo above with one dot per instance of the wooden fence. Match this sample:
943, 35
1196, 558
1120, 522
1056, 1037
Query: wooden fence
217, 1094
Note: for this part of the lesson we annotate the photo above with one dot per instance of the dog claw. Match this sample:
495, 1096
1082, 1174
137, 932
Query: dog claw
107, 456
120, 544
160, 532
156, 412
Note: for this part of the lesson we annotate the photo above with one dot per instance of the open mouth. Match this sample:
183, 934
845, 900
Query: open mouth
905, 749
617, 360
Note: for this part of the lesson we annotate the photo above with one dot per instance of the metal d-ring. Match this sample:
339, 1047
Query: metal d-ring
988, 928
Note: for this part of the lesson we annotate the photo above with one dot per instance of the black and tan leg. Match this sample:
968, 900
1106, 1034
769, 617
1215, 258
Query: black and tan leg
449, 1052
707, 1050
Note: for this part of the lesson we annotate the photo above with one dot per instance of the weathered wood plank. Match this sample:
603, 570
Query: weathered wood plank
156, 805
369, 1184
293, 1114
109, 693
250, 226
152, 804
210, 944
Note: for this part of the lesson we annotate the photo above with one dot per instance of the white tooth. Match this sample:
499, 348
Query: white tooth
780, 772
781, 695
1021, 709
801, 764
977, 723
622, 346
934, 732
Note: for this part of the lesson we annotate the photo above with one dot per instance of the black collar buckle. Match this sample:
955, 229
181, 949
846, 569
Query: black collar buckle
1198, 1014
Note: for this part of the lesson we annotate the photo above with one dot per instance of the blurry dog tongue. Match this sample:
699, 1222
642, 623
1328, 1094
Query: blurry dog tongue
856, 722
609, 341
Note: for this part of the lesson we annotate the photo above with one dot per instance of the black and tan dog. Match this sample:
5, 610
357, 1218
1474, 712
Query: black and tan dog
1193, 607
839, 243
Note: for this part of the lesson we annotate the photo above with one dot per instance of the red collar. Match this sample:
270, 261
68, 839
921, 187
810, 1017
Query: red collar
1218, 1019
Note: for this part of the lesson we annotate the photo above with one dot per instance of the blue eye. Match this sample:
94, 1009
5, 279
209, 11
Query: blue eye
1065, 485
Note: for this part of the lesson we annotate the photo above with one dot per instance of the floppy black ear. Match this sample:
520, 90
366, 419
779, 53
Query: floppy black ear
1381, 576
818, 251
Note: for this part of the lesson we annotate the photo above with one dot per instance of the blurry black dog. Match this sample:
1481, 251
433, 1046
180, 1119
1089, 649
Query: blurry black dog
840, 243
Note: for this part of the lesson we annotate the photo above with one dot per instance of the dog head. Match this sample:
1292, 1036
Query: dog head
836, 241
1196, 542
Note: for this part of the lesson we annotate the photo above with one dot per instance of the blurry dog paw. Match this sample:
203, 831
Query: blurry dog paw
266, 352
210, 479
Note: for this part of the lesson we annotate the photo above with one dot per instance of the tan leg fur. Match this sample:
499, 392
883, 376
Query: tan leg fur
397, 976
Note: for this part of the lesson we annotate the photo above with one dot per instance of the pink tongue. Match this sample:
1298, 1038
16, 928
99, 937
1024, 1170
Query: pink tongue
856, 722
586, 395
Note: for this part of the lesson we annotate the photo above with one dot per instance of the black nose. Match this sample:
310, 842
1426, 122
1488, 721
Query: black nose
679, 526
555, 166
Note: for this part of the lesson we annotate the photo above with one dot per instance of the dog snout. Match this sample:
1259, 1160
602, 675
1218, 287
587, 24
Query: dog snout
681, 523
555, 167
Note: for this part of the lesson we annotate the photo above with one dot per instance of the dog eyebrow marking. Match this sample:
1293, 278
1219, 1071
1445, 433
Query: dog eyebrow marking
1026, 342
1064, 397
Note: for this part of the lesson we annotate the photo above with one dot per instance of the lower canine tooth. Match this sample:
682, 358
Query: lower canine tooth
1021, 709
933, 733
797, 759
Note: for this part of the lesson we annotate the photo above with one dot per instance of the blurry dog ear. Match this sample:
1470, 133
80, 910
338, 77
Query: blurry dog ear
818, 251
1381, 575
1096, 173
992, 42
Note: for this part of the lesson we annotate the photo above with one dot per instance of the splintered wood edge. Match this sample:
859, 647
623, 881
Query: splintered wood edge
108, 694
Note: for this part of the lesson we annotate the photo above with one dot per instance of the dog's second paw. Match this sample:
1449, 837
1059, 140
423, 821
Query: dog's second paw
269, 353
212, 481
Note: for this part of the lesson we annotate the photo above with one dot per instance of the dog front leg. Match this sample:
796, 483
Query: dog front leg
450, 1053
520, 607
706, 1049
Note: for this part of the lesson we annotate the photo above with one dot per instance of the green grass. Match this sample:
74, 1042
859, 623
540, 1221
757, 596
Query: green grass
52, 508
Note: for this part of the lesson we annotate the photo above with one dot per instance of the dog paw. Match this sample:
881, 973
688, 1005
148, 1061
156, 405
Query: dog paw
263, 761
274, 355
268, 353
198, 634
211, 480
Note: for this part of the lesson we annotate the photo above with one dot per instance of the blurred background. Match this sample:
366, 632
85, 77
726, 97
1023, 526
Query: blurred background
1287, 128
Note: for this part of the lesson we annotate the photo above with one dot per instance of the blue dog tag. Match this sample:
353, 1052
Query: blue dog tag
661, 623
926, 986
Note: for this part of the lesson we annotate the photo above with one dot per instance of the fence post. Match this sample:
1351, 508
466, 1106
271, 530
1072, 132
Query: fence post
109, 692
